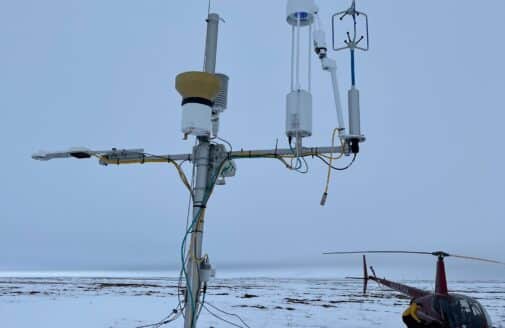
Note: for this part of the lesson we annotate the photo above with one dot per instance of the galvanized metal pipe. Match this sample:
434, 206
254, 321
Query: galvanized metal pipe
202, 162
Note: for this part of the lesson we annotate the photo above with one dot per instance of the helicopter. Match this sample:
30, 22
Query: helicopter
438, 308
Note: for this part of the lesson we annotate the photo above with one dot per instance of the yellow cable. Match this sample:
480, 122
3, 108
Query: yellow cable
182, 175
331, 158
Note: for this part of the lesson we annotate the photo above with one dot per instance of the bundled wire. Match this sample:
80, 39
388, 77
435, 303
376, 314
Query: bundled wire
196, 220
301, 163
184, 258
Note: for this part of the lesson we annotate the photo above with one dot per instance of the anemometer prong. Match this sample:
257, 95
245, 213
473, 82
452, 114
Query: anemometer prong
351, 42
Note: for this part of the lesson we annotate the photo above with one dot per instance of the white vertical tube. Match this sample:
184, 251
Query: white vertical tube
354, 113
298, 86
338, 104
292, 58
309, 59
211, 43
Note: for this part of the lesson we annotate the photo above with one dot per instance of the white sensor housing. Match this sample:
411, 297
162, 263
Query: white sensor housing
354, 113
299, 114
196, 119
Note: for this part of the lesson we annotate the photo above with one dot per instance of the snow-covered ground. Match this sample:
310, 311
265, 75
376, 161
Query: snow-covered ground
79, 302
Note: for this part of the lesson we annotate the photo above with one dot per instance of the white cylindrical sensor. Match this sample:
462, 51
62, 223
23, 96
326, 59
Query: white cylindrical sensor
354, 113
196, 119
206, 272
299, 114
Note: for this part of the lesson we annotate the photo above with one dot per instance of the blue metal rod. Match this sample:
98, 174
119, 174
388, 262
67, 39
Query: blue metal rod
353, 69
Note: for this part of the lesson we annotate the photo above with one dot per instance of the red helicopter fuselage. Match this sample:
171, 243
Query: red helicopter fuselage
439, 308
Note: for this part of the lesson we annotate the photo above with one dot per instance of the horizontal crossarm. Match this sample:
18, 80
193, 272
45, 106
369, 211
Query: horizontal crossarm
138, 156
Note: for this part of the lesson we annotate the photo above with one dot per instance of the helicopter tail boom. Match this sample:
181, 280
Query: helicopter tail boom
401, 288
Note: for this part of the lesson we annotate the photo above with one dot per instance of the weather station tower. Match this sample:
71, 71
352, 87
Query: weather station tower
204, 99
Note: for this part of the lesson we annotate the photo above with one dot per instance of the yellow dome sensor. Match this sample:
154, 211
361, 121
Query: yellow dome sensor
198, 85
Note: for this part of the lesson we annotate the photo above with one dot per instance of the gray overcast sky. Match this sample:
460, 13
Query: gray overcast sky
101, 74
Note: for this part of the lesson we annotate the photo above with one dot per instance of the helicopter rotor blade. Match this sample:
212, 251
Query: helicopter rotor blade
476, 259
377, 252
438, 253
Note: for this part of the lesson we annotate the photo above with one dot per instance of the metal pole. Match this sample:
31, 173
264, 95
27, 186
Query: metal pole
202, 162
191, 301
211, 43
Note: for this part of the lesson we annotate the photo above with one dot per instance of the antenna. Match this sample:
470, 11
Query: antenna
204, 97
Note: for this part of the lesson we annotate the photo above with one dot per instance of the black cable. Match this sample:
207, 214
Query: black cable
338, 168
230, 314
175, 313
202, 303
180, 293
